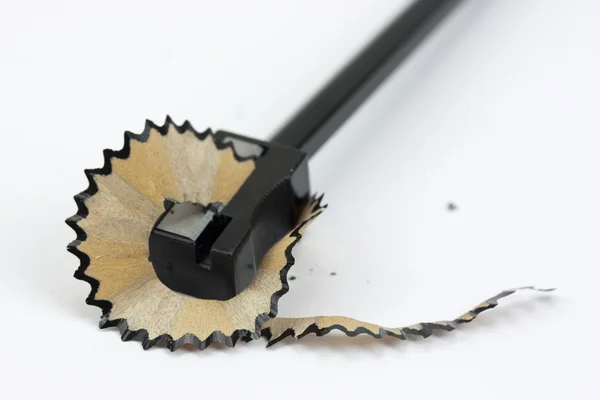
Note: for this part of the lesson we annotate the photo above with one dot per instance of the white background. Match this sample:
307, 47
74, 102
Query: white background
499, 113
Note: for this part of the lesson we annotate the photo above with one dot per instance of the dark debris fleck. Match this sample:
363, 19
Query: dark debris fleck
292, 278
452, 207
333, 273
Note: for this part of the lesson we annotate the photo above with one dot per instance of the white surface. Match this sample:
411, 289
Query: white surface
498, 113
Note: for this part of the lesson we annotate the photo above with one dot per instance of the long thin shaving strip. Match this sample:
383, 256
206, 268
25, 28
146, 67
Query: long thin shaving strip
278, 329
